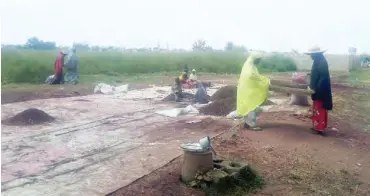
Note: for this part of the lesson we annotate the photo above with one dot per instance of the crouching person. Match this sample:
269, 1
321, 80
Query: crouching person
177, 87
201, 94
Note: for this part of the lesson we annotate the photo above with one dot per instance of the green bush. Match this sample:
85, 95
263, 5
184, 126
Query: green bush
28, 66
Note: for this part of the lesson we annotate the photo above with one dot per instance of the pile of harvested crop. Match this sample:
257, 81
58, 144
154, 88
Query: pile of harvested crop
225, 92
223, 102
301, 100
220, 107
30, 116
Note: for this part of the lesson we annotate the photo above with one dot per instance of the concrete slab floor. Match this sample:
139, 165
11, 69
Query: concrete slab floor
93, 148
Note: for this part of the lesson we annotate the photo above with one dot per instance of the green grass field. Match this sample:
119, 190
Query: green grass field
27, 66
359, 76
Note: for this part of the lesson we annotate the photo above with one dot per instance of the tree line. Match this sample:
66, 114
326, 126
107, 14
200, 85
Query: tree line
35, 43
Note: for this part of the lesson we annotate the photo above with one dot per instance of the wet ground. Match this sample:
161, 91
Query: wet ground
292, 160
92, 148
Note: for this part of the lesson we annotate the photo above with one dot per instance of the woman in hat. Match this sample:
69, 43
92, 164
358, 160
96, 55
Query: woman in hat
192, 81
320, 83
193, 76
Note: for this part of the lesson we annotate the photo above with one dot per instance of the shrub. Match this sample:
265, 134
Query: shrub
277, 63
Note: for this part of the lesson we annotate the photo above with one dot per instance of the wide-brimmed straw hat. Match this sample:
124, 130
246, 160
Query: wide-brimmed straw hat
315, 50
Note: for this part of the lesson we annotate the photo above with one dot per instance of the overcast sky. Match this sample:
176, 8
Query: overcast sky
271, 25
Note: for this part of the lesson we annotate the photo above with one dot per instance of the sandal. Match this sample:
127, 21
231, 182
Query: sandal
256, 128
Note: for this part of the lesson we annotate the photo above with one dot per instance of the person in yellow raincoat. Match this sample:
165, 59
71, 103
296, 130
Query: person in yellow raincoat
252, 92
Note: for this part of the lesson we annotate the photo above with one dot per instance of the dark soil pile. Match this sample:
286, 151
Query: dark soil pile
30, 116
225, 92
223, 102
220, 107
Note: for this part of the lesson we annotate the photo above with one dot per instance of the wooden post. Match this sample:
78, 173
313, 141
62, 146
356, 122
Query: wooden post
289, 90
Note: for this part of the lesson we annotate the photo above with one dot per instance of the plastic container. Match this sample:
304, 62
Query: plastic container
196, 159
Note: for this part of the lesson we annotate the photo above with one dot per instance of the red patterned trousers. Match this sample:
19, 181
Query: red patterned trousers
319, 116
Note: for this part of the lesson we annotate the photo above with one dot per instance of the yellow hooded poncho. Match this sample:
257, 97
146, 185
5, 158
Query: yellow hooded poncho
253, 88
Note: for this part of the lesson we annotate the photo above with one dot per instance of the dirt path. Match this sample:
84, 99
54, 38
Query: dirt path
292, 160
